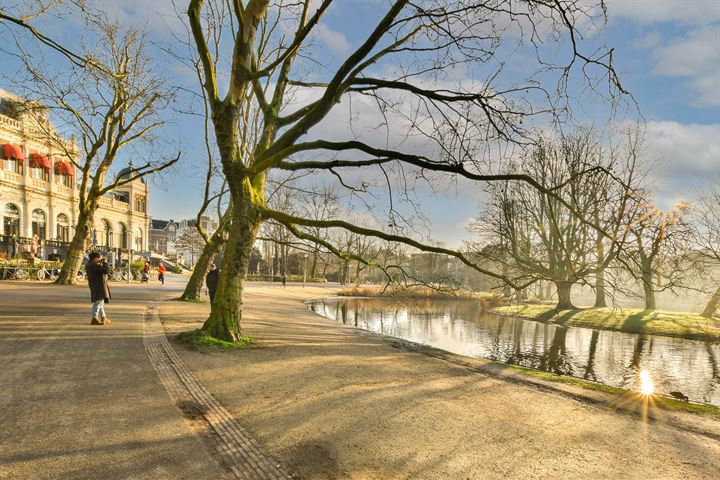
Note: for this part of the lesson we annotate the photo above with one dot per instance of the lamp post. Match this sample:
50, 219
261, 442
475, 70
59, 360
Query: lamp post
304, 269
130, 240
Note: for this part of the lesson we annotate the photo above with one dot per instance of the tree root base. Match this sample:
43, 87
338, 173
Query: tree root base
200, 340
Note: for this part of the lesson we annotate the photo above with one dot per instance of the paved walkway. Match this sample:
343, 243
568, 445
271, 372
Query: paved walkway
84, 402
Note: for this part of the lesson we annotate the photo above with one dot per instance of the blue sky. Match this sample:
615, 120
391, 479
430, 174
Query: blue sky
667, 51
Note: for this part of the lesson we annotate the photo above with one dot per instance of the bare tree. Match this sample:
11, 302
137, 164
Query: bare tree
425, 42
659, 247
540, 237
109, 105
706, 233
190, 241
320, 202
22, 13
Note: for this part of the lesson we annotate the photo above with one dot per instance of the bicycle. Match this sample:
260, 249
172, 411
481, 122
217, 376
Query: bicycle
44, 273
15, 273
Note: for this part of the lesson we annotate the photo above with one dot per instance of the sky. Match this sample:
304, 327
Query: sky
667, 52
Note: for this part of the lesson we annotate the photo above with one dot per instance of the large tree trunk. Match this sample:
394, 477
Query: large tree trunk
78, 245
600, 299
226, 311
648, 290
313, 268
195, 283
563, 292
712, 304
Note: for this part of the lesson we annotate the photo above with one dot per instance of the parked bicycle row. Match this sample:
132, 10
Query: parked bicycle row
43, 272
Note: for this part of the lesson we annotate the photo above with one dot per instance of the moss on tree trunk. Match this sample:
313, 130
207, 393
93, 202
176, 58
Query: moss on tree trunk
78, 244
224, 322
197, 278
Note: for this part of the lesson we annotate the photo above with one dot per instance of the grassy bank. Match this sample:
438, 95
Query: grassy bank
658, 400
631, 320
413, 292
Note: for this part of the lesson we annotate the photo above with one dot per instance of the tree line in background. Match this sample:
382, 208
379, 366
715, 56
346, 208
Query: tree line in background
562, 210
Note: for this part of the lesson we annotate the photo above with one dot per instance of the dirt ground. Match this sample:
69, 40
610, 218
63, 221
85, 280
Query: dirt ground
332, 402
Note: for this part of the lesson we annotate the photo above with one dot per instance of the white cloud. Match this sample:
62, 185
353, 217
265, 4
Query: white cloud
694, 54
159, 17
700, 12
335, 41
688, 149
687, 155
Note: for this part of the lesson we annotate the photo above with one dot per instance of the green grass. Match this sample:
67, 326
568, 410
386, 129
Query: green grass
416, 292
631, 320
199, 340
660, 401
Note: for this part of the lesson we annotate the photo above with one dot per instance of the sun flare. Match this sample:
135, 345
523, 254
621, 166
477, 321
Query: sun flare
646, 384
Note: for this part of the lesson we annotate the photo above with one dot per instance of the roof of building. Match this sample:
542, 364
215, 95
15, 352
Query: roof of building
125, 173
158, 224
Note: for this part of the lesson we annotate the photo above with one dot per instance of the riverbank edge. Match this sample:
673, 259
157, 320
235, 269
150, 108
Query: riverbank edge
576, 388
574, 322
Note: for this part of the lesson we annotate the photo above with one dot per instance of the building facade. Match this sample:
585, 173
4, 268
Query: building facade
39, 195
162, 236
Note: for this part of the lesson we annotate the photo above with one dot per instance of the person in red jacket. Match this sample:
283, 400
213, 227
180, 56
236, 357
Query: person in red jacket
161, 273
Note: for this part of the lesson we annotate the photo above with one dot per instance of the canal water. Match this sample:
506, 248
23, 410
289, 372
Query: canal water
612, 358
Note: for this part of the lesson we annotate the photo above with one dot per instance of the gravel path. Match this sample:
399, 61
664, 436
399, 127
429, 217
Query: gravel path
332, 402
326, 400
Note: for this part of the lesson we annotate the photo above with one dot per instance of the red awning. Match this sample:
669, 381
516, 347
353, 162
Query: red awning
64, 168
40, 161
10, 150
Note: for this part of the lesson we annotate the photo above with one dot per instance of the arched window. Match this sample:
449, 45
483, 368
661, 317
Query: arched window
139, 239
38, 223
63, 228
11, 220
107, 233
123, 236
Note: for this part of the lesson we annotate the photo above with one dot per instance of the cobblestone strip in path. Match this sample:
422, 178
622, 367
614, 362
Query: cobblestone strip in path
237, 447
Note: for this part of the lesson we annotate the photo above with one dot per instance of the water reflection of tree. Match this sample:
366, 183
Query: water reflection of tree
640, 341
555, 359
590, 367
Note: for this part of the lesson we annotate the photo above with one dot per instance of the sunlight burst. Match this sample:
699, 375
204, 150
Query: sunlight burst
646, 384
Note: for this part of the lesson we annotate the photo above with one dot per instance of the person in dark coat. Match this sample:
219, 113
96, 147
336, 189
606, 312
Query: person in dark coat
211, 281
97, 276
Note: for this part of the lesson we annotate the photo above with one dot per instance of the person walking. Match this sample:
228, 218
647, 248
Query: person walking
211, 281
161, 273
97, 276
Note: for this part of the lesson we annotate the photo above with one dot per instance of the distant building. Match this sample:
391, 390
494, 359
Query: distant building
207, 223
162, 236
39, 193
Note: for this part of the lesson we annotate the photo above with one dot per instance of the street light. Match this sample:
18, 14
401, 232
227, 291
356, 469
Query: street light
130, 240
304, 269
